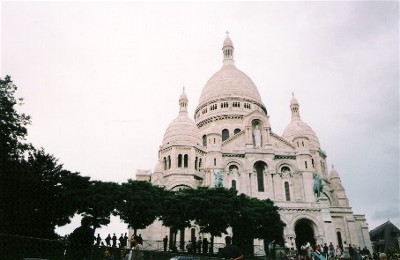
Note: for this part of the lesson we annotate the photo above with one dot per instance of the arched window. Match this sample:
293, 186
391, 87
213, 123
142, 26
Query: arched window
339, 239
185, 161
233, 169
234, 184
260, 167
179, 160
225, 134
287, 191
215, 161
165, 163
169, 162
195, 163
205, 140
237, 130
200, 164
285, 169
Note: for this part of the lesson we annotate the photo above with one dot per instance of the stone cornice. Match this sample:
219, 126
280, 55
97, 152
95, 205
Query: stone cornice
298, 209
241, 155
183, 147
282, 156
217, 118
213, 101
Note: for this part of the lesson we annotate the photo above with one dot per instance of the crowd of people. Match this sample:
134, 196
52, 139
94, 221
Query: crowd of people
113, 241
328, 252
133, 251
198, 246
82, 239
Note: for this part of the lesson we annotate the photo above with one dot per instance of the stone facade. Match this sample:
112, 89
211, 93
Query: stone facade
230, 143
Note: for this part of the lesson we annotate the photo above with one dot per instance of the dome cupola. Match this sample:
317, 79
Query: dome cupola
227, 50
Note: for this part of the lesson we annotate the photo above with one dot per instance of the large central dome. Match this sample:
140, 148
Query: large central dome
229, 82
228, 91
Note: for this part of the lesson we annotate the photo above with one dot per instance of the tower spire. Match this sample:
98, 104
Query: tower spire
183, 102
294, 107
227, 50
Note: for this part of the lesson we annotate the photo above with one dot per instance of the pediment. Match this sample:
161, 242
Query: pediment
236, 142
279, 142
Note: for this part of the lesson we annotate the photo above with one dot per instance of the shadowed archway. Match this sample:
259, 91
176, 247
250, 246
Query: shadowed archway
304, 230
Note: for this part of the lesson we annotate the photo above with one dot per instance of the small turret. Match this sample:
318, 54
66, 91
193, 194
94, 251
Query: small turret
337, 187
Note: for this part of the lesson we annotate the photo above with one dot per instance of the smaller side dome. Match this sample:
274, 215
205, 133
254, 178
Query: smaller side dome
297, 128
182, 130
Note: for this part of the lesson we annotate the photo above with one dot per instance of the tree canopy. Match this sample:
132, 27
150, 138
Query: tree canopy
13, 129
140, 203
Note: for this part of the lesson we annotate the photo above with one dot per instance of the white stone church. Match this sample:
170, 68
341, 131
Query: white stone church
230, 143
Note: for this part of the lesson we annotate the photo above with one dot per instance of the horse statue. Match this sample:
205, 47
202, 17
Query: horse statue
317, 185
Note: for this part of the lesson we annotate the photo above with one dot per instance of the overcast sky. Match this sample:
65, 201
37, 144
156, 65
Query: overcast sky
101, 80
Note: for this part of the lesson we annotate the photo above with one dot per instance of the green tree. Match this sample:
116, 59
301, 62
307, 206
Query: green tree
213, 209
270, 224
176, 212
256, 219
99, 201
140, 203
37, 195
49, 206
13, 129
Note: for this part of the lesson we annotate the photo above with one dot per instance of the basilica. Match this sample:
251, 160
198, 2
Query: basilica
229, 143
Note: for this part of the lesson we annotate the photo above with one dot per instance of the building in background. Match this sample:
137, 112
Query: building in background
230, 143
385, 237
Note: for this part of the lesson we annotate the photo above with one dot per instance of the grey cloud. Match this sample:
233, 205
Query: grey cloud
388, 213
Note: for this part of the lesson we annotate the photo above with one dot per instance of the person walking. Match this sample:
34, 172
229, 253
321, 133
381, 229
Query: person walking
331, 251
81, 240
98, 240
165, 243
205, 245
121, 240
338, 252
136, 252
231, 252
199, 243
108, 240
114, 240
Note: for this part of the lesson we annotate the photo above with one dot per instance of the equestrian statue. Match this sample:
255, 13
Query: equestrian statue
317, 185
